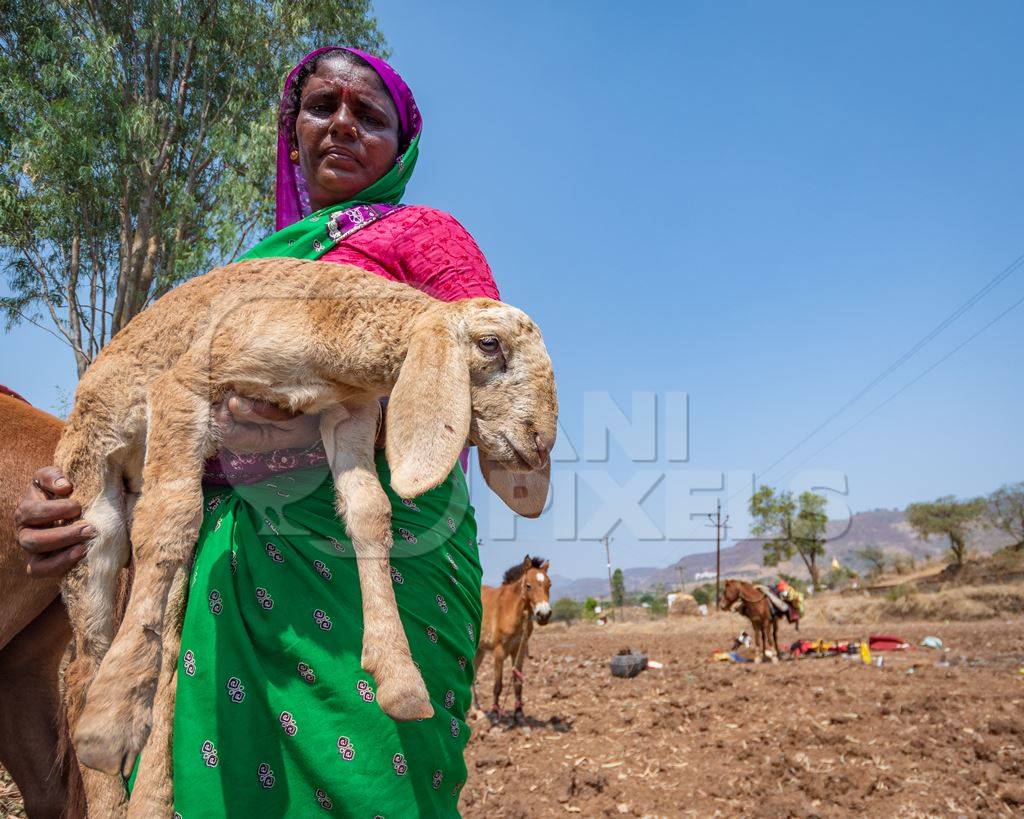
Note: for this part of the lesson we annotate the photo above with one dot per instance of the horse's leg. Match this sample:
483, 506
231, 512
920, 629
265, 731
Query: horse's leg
766, 625
755, 626
775, 637
479, 658
499, 669
517, 682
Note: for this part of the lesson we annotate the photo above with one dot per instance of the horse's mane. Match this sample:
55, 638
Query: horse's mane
515, 572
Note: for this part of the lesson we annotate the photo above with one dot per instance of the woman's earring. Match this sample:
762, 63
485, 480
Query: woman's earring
294, 155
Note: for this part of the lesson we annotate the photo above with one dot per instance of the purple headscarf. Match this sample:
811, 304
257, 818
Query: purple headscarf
292, 196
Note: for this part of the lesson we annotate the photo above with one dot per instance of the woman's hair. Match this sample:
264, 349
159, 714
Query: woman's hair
293, 99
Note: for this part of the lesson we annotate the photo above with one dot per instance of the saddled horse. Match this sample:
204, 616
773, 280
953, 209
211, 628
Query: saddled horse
509, 613
757, 607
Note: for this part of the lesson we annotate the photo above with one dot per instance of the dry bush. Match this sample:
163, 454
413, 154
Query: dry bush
684, 605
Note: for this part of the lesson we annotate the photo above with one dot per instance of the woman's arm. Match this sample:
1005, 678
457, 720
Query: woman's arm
248, 425
46, 519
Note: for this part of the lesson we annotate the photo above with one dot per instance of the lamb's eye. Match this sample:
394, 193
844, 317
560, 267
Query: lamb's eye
489, 345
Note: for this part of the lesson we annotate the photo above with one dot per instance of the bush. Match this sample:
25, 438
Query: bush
904, 564
898, 592
589, 606
839, 578
565, 610
704, 595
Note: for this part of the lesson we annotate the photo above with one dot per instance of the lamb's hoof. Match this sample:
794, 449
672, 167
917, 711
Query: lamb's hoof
102, 750
110, 738
405, 701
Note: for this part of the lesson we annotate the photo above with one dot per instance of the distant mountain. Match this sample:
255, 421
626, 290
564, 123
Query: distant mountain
584, 587
885, 528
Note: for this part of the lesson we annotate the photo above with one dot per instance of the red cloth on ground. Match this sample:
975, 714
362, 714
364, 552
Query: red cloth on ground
886, 642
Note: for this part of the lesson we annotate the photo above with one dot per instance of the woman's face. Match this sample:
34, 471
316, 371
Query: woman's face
346, 130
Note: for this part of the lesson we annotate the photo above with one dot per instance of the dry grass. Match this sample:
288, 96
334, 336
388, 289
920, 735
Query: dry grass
10, 799
962, 604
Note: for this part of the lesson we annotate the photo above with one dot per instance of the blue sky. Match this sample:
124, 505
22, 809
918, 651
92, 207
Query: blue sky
760, 205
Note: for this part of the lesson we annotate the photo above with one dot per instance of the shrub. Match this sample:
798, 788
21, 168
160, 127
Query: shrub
565, 610
898, 592
904, 564
704, 595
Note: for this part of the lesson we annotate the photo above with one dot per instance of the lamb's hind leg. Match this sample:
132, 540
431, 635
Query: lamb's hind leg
88, 454
348, 439
118, 709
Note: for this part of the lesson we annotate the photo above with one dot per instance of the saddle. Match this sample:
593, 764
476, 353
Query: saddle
779, 606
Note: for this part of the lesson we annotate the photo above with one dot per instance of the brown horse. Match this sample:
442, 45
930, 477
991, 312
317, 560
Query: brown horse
757, 608
34, 628
509, 612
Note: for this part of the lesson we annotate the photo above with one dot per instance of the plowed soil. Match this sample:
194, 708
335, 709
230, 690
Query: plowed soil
929, 733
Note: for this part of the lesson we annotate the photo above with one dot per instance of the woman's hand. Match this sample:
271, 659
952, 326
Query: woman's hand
248, 425
47, 526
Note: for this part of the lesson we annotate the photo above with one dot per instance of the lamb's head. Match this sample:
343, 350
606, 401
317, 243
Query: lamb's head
476, 370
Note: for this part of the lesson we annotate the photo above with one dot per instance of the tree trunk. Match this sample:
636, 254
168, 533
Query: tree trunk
959, 549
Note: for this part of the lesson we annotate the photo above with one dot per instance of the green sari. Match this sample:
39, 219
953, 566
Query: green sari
274, 715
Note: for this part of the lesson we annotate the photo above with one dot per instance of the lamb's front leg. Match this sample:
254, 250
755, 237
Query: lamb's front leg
118, 708
153, 794
348, 436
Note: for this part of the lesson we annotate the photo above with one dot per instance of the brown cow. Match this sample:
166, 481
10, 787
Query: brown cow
34, 629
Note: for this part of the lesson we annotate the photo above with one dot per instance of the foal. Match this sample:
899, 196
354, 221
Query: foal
509, 612
757, 608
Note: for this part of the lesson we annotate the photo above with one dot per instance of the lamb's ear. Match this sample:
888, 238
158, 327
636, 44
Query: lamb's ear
525, 493
429, 410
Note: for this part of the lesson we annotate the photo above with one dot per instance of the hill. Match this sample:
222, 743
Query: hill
885, 528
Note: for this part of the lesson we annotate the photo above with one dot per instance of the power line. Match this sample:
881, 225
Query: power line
905, 387
899, 362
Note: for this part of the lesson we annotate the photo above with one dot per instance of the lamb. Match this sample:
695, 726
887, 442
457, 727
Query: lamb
314, 337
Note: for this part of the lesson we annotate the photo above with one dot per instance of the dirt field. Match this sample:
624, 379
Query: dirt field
813, 737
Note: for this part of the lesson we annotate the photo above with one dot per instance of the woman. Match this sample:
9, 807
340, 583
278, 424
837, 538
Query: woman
274, 714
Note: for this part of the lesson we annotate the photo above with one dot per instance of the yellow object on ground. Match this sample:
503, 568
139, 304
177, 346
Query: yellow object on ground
865, 653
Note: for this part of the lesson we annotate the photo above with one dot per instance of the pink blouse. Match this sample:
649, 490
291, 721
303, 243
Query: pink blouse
419, 246
422, 247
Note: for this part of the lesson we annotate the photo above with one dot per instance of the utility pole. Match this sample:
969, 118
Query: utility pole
608, 559
720, 526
